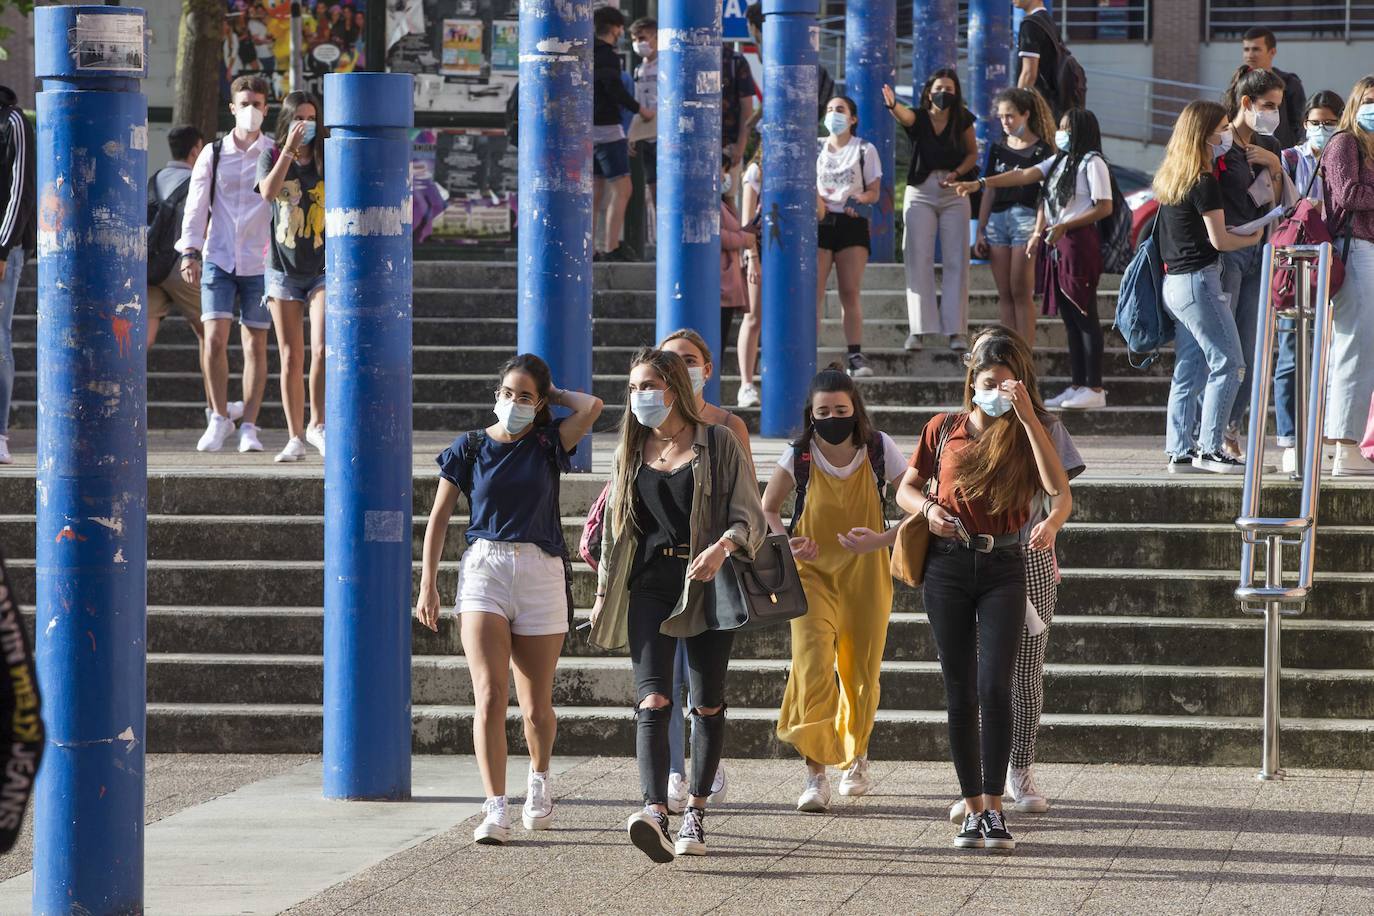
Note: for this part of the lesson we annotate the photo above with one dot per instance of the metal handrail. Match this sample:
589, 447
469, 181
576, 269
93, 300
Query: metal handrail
1275, 599
1345, 18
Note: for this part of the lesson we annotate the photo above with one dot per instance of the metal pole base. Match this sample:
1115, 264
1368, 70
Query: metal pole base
1275, 776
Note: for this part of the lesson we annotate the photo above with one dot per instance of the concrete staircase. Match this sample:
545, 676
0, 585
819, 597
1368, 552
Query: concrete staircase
1149, 658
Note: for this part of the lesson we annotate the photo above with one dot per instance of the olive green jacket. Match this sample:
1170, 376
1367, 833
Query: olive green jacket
729, 507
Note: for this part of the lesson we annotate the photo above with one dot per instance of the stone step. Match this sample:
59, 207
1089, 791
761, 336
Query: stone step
1069, 688
898, 735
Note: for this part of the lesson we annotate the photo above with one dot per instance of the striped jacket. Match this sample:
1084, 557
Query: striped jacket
18, 178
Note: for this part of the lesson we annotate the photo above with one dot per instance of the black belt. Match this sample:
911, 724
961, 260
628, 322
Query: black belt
677, 553
987, 543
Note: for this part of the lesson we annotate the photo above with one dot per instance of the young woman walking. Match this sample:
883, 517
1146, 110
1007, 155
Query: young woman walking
849, 175
987, 463
291, 180
945, 149
513, 591
735, 240
1077, 195
682, 500
840, 540
1209, 361
747, 346
1006, 219
692, 350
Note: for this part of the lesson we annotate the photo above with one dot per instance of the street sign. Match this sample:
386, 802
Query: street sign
733, 25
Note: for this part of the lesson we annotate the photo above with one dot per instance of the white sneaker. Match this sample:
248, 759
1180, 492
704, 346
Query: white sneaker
958, 343
5, 456
815, 798
235, 411
1026, 796
677, 793
957, 812
294, 451
648, 830
1085, 399
718, 787
216, 431
856, 781
1056, 401
748, 396
538, 811
315, 436
495, 827
1350, 463
248, 439
1290, 460
913, 343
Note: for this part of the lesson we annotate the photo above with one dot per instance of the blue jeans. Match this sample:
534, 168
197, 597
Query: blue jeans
1208, 360
1241, 274
9, 291
1286, 383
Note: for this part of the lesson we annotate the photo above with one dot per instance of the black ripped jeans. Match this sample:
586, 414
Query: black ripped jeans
653, 595
976, 603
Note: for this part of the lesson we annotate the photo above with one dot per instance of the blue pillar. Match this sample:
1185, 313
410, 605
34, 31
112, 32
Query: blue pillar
935, 39
989, 43
688, 191
367, 471
870, 54
788, 357
92, 159
555, 236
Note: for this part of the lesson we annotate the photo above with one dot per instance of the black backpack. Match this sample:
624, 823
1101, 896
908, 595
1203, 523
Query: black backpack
1069, 81
164, 228
801, 471
1117, 250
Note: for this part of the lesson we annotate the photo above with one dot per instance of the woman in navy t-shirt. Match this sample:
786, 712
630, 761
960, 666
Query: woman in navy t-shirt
513, 589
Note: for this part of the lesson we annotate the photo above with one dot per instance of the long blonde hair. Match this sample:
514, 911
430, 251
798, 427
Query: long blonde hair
693, 338
1188, 155
1352, 108
673, 371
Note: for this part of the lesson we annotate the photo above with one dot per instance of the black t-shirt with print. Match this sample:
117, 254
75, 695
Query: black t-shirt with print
1002, 158
297, 242
1182, 235
1032, 40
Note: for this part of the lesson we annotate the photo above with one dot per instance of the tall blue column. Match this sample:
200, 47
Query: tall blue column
989, 49
92, 159
788, 357
367, 471
688, 191
870, 54
555, 237
935, 39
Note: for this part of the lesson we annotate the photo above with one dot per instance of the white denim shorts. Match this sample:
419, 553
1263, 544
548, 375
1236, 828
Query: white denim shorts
518, 581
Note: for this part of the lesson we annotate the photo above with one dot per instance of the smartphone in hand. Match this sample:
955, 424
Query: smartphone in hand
961, 532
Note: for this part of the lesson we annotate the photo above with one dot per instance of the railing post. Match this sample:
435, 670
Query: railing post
1273, 670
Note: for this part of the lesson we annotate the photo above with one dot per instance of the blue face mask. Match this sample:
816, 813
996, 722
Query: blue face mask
514, 417
1364, 116
1061, 140
837, 122
1318, 136
992, 401
308, 135
648, 408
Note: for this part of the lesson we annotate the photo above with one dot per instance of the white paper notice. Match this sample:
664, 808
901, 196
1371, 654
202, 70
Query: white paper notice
1255, 225
108, 42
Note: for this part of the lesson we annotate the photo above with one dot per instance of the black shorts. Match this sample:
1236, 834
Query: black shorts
839, 231
648, 157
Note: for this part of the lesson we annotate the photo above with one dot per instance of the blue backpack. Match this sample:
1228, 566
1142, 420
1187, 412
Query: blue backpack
1140, 314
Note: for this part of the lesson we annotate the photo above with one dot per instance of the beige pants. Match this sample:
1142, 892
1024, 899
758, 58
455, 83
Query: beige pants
926, 210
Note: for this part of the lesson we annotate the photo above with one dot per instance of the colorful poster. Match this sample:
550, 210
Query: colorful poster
505, 46
462, 48
257, 40
463, 185
456, 68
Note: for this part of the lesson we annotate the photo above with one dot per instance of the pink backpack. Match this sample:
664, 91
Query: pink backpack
1306, 226
589, 547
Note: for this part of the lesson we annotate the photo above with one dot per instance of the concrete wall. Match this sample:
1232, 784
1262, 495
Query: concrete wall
1332, 65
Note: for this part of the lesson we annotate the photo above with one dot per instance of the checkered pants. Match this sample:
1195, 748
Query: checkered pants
1028, 679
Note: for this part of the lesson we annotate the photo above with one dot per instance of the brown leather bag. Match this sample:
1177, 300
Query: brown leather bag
913, 535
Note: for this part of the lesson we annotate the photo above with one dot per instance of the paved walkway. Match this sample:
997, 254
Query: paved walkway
1157, 840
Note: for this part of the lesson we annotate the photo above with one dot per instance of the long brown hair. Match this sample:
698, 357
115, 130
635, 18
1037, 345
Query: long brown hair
831, 380
673, 371
293, 101
1000, 465
1352, 108
1040, 119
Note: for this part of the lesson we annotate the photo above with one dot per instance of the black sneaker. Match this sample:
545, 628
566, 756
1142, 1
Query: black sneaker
1183, 464
971, 836
691, 838
858, 366
995, 832
1219, 463
649, 831
623, 254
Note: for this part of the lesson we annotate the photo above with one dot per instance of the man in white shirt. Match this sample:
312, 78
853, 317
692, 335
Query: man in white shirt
223, 246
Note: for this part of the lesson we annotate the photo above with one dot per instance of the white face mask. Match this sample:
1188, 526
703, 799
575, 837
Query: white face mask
643, 48
648, 408
837, 122
1263, 122
1222, 148
698, 373
726, 181
1061, 140
514, 417
992, 401
248, 119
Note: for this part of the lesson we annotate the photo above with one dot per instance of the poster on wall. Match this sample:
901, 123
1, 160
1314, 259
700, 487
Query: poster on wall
257, 40
463, 184
464, 54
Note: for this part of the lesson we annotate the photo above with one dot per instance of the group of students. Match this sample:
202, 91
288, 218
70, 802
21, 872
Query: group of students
990, 480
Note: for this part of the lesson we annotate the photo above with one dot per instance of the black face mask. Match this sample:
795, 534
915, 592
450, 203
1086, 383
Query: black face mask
942, 100
834, 430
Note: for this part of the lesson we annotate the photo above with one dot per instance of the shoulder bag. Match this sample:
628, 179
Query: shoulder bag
913, 535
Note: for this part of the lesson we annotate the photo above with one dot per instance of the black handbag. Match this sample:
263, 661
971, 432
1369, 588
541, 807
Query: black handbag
747, 595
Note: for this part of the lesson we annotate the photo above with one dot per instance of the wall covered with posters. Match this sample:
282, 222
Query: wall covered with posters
463, 183
465, 54
257, 39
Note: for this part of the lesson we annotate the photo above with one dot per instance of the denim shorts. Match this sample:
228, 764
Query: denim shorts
1012, 227
283, 286
611, 160
221, 289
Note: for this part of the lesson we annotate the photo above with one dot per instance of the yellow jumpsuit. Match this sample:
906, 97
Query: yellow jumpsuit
845, 629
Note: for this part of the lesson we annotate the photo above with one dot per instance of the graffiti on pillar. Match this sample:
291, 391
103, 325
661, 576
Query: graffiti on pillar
463, 183
257, 40
464, 54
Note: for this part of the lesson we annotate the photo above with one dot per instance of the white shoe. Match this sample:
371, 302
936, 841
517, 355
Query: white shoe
691, 837
294, 451
1085, 399
216, 431
1350, 463
856, 781
958, 343
1056, 401
677, 793
748, 396
957, 812
718, 787
248, 439
235, 411
815, 798
1026, 796
315, 436
913, 343
648, 830
1290, 460
5, 456
495, 827
538, 810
